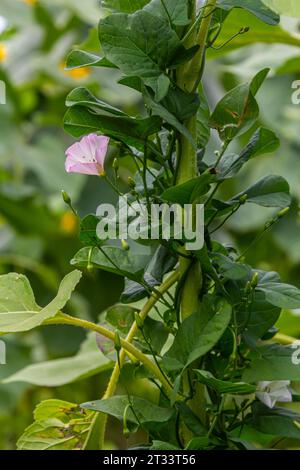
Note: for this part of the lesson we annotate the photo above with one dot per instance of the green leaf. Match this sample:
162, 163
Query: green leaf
238, 110
77, 59
112, 259
18, 309
121, 317
125, 6
255, 321
87, 362
59, 425
274, 362
175, 11
257, 7
197, 335
88, 231
221, 386
263, 141
83, 97
203, 119
281, 295
144, 411
140, 45
79, 121
276, 421
229, 268
271, 191
186, 193
158, 109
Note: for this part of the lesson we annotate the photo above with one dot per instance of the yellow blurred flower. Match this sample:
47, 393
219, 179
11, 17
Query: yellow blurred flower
68, 223
30, 2
3, 52
76, 74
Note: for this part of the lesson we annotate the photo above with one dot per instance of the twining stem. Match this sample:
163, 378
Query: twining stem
65, 319
113, 381
155, 297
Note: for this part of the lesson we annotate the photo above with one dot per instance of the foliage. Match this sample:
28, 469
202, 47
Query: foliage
198, 327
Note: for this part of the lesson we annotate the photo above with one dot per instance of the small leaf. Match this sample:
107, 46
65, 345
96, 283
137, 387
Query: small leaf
197, 335
221, 386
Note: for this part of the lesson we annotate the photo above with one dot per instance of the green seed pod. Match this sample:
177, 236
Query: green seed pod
254, 280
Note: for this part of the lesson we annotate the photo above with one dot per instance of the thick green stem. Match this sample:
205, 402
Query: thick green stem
188, 78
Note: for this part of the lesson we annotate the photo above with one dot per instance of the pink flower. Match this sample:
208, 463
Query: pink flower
88, 155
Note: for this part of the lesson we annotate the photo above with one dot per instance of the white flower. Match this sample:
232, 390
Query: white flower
271, 392
3, 24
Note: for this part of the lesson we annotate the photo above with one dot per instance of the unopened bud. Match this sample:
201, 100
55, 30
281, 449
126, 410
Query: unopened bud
131, 182
254, 280
283, 212
66, 198
244, 30
243, 199
125, 245
118, 345
115, 164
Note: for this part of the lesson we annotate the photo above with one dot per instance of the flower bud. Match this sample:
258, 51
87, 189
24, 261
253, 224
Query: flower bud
283, 212
254, 280
125, 245
131, 182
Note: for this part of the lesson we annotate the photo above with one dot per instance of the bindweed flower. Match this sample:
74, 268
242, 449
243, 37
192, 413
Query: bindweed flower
270, 393
88, 155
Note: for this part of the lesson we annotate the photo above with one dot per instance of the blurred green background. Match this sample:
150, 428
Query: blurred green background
39, 236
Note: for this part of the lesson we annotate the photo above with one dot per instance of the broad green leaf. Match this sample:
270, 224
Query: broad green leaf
276, 421
77, 59
87, 362
281, 295
197, 335
144, 411
121, 317
112, 259
141, 45
238, 110
18, 309
125, 6
59, 425
175, 11
222, 386
80, 121
186, 193
271, 191
257, 7
274, 362
263, 141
